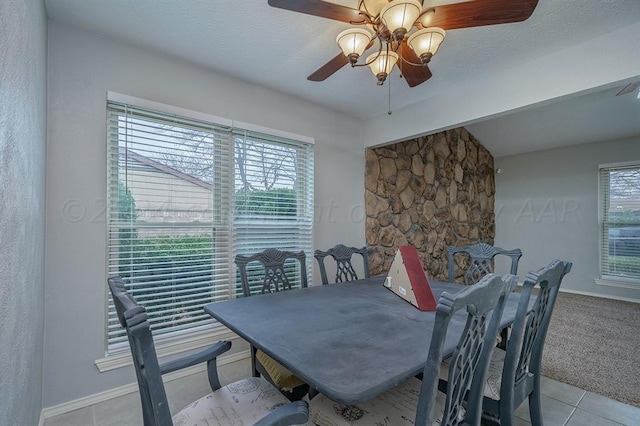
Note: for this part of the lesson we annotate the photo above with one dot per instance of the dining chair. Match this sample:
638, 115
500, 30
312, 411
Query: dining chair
419, 402
248, 401
514, 374
275, 277
481, 258
344, 268
272, 277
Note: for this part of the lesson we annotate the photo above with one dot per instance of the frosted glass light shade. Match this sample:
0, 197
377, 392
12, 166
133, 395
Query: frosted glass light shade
382, 64
353, 42
400, 14
425, 43
372, 6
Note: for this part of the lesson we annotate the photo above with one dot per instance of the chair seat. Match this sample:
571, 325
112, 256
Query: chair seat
279, 374
494, 374
241, 403
395, 407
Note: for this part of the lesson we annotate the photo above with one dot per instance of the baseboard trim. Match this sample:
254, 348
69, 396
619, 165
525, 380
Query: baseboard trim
629, 284
600, 295
89, 400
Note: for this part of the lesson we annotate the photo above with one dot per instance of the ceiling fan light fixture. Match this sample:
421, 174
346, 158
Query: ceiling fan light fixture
425, 43
381, 64
399, 15
390, 21
353, 43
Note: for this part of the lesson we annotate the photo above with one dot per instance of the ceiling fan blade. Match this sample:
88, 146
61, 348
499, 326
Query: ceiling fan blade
629, 88
332, 66
479, 13
329, 68
322, 9
414, 74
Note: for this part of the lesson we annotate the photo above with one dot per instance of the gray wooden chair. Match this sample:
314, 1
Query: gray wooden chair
514, 374
273, 278
344, 268
248, 401
420, 400
516, 371
481, 258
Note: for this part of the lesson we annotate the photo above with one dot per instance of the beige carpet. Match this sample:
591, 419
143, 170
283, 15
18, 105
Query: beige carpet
594, 344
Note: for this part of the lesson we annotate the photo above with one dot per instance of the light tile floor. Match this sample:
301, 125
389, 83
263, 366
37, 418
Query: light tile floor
562, 404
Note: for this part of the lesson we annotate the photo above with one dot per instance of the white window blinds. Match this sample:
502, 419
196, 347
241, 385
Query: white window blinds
169, 227
620, 222
273, 199
173, 186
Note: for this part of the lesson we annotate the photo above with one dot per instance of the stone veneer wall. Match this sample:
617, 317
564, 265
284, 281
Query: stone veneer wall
428, 192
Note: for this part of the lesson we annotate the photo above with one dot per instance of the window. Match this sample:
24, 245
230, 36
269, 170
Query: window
273, 201
183, 196
620, 222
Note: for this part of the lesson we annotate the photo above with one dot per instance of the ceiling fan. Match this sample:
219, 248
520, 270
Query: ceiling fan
392, 22
631, 87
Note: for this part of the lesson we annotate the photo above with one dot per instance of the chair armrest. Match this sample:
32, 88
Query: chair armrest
294, 413
207, 355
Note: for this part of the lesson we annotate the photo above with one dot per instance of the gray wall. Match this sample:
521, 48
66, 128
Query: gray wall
23, 62
547, 205
82, 68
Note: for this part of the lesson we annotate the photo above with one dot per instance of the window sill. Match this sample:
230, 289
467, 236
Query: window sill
192, 341
622, 283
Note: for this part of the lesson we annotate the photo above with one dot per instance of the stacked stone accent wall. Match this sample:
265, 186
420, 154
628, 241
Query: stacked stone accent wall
428, 192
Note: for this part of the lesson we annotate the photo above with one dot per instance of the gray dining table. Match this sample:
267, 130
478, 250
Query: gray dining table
350, 341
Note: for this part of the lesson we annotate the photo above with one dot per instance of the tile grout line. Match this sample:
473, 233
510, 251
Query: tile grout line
575, 408
581, 398
570, 415
93, 415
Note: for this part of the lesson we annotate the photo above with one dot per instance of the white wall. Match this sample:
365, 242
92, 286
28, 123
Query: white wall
23, 121
557, 75
547, 205
82, 68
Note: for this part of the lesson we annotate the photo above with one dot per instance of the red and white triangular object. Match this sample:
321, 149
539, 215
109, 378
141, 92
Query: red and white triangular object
407, 279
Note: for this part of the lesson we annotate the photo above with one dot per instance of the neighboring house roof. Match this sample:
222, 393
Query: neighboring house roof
166, 169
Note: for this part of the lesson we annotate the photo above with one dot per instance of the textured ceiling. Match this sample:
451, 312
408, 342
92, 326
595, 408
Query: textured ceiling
278, 49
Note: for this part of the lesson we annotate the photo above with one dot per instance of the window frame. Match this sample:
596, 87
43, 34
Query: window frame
233, 126
604, 187
289, 227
